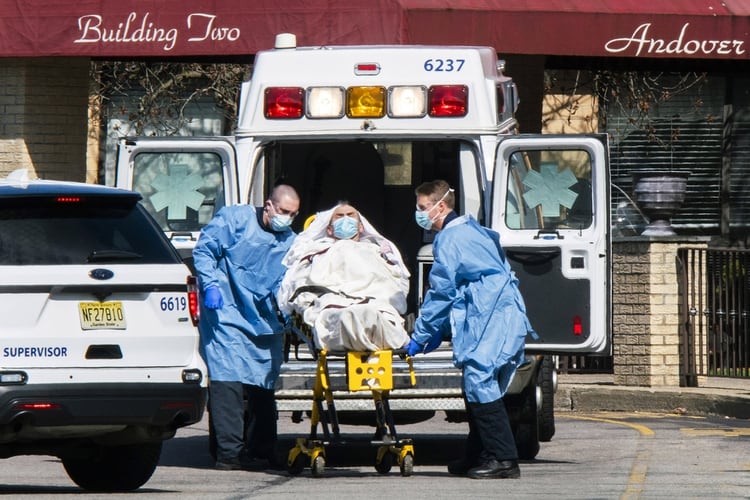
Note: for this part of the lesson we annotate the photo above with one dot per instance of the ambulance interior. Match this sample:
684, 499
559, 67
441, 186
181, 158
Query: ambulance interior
376, 177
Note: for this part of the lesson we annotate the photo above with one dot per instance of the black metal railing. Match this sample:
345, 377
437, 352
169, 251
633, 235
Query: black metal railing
714, 308
581, 364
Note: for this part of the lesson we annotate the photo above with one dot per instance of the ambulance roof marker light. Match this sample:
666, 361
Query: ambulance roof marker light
367, 69
285, 41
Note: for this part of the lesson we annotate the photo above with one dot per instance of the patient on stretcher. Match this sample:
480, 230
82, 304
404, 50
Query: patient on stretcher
347, 282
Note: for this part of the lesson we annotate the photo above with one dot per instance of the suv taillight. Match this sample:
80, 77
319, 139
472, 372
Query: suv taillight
192, 289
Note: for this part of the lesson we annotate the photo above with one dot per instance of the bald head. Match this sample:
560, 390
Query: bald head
284, 191
283, 201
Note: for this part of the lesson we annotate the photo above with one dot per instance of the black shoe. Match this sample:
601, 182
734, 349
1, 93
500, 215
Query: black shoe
460, 467
249, 464
254, 464
494, 469
234, 465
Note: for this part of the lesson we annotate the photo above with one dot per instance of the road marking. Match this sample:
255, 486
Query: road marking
639, 469
637, 476
642, 429
716, 431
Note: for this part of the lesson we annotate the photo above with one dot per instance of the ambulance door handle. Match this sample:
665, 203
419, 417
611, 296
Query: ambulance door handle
549, 234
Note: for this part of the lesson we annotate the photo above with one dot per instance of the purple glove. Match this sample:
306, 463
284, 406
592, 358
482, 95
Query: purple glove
213, 299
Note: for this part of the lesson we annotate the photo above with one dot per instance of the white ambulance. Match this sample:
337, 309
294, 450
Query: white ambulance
368, 124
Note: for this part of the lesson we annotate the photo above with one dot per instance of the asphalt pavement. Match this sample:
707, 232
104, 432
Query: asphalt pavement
728, 397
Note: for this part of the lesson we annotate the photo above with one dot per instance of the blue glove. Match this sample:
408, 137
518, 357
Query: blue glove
413, 348
213, 299
433, 343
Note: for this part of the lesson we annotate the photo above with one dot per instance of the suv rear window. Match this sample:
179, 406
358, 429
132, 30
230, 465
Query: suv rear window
45, 231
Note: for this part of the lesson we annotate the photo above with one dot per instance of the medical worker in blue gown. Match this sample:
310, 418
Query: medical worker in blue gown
473, 296
238, 261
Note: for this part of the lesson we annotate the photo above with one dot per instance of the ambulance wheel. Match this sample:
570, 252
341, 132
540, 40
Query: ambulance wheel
527, 441
318, 466
526, 430
298, 465
547, 376
384, 464
407, 465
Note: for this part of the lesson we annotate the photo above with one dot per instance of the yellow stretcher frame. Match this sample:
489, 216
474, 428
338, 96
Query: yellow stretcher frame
371, 371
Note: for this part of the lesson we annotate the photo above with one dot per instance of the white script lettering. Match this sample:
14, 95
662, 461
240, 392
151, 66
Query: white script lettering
205, 22
93, 30
639, 42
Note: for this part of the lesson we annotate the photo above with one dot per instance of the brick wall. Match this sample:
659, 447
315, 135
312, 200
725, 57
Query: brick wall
645, 311
43, 118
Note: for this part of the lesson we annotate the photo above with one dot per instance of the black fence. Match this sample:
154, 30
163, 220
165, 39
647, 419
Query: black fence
714, 313
585, 364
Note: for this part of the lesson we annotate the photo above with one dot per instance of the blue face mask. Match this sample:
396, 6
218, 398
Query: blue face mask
423, 216
280, 222
345, 228
423, 219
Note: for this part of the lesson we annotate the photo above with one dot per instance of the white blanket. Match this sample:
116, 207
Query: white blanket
352, 293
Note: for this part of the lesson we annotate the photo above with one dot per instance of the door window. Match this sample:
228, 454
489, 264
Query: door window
549, 190
182, 191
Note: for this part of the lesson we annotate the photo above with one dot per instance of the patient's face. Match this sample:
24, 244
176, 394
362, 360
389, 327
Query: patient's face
344, 211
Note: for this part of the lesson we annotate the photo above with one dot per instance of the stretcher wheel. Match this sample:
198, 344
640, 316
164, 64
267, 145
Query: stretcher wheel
318, 466
385, 463
407, 465
298, 465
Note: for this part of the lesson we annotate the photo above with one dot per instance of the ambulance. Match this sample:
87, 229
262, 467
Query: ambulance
368, 124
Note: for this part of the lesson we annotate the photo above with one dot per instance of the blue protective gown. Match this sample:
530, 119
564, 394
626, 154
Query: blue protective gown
474, 293
242, 341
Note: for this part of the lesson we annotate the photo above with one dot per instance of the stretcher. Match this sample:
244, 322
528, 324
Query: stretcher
365, 371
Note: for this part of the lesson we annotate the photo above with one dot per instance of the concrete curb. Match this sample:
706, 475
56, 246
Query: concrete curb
689, 401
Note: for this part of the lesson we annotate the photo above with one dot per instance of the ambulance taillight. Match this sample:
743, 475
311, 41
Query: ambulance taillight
448, 100
577, 326
284, 102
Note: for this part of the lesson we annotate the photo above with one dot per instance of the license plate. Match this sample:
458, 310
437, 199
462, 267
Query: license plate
102, 315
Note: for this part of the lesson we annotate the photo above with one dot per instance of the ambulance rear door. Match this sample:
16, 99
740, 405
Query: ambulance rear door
184, 182
550, 204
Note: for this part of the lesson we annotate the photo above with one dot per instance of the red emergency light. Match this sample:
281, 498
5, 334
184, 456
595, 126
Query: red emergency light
284, 102
448, 100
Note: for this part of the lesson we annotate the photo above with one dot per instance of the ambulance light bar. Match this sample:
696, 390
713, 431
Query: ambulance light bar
284, 102
404, 101
407, 102
324, 102
365, 102
449, 100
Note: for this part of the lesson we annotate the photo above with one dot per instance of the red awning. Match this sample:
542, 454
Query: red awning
705, 29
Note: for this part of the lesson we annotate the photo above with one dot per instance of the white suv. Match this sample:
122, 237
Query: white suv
99, 358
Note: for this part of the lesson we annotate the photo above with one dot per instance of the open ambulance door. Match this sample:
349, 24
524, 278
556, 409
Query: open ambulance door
550, 204
184, 182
